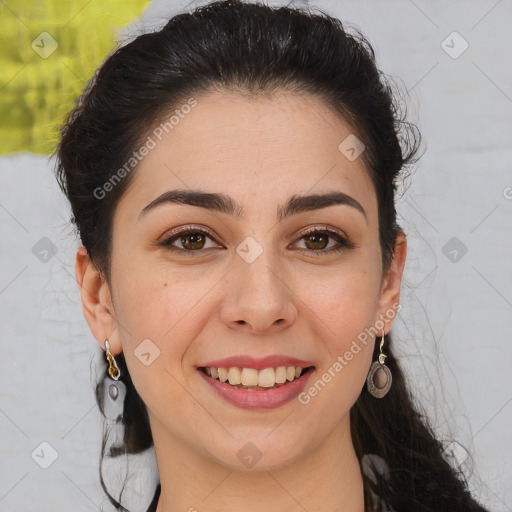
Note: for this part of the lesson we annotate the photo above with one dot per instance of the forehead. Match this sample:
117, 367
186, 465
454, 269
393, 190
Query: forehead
259, 150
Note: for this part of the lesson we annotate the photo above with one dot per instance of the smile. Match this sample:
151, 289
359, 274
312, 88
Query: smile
250, 388
253, 379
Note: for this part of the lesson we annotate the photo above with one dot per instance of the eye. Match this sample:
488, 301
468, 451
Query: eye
191, 241
317, 240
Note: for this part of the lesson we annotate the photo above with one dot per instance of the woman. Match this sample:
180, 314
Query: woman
232, 178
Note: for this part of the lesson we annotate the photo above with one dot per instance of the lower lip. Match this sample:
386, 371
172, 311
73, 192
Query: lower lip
270, 399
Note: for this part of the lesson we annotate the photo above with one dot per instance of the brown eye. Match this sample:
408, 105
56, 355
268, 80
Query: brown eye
193, 241
188, 241
317, 241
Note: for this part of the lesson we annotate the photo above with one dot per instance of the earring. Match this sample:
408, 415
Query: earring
113, 392
379, 379
113, 369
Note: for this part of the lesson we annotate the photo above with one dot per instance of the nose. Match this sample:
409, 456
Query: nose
259, 300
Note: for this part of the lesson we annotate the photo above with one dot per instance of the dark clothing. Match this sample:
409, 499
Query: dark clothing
154, 502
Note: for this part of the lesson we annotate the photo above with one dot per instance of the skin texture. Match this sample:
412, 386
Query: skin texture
215, 304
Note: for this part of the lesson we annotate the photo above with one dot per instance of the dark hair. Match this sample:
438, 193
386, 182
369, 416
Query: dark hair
255, 49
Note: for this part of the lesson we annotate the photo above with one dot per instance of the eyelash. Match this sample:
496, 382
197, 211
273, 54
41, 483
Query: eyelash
344, 243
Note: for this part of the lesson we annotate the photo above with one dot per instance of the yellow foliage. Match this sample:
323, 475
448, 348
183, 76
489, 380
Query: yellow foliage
50, 50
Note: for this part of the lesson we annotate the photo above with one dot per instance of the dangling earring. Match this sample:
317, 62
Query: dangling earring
379, 379
114, 393
113, 369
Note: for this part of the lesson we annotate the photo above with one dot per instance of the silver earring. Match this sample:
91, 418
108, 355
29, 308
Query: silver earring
379, 378
113, 392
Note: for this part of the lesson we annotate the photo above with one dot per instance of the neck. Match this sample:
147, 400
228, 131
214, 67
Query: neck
328, 477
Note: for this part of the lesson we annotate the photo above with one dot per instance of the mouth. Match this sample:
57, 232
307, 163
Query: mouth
253, 379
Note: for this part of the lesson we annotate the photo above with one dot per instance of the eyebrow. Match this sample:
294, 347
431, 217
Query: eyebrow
225, 204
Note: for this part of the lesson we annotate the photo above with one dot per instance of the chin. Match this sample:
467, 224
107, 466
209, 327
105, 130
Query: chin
254, 453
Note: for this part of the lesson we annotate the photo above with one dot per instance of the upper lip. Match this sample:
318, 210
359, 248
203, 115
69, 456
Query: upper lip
257, 363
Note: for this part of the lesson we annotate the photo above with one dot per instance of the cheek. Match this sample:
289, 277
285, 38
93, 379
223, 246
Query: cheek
345, 303
163, 305
159, 317
343, 309
153, 295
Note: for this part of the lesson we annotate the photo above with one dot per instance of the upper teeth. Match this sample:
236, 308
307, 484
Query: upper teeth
265, 378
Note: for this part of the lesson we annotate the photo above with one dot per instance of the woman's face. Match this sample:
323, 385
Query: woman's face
249, 281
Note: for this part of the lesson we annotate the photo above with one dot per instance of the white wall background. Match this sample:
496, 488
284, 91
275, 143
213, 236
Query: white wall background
455, 328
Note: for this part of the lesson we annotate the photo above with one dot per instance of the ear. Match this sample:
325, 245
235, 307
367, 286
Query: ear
96, 302
390, 290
